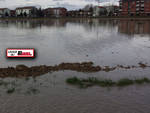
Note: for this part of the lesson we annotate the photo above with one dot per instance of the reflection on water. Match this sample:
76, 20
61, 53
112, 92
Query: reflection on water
134, 27
129, 27
76, 40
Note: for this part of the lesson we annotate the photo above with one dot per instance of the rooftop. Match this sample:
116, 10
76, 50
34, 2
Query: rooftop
29, 7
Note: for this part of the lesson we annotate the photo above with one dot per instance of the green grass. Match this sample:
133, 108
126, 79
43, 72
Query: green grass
5, 84
73, 80
32, 91
141, 81
92, 81
27, 78
124, 82
11, 90
89, 82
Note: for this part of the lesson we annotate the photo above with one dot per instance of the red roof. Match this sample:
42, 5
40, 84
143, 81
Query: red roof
100, 7
3, 8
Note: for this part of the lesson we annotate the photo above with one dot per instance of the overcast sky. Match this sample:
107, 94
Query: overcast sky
69, 4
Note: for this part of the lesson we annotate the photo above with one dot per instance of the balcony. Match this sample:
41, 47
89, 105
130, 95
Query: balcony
142, 9
120, 10
142, 5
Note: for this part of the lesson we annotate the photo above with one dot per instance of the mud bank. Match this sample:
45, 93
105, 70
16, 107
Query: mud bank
24, 71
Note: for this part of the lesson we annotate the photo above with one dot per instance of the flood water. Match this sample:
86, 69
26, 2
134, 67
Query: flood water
104, 42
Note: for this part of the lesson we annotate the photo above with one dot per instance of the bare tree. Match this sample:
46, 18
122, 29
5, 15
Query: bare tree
88, 7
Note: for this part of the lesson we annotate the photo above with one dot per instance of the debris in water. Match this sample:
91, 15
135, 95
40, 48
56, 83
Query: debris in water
142, 65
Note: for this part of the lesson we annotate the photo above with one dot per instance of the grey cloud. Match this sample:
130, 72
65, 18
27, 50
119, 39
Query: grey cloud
69, 4
57, 0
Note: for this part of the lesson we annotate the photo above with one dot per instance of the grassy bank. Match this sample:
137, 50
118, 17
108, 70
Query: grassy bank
84, 83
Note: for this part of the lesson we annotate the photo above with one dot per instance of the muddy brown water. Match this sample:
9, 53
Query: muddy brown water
104, 42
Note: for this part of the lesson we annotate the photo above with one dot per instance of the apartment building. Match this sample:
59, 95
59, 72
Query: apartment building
55, 12
134, 7
26, 11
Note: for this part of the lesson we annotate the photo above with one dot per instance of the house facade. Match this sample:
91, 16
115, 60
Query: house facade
134, 7
99, 11
4, 12
55, 12
26, 11
112, 10
12, 13
79, 13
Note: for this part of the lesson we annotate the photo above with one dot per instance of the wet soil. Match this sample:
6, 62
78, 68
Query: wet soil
24, 71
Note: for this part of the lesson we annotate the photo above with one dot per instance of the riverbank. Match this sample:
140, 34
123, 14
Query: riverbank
101, 18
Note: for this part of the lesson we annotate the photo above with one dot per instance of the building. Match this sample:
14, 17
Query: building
86, 14
4, 12
47, 12
12, 13
134, 7
79, 13
26, 11
99, 11
112, 10
55, 12
72, 13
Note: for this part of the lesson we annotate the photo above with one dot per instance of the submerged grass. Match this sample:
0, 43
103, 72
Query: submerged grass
92, 81
11, 90
32, 91
143, 80
124, 82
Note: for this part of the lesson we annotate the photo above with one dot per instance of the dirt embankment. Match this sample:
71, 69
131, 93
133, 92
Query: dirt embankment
24, 71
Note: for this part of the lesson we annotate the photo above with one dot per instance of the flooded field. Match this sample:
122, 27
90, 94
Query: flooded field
116, 48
